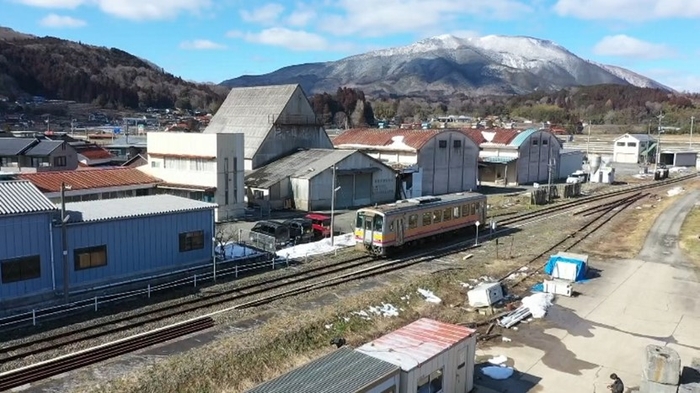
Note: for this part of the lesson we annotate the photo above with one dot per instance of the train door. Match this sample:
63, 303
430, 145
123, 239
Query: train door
368, 230
399, 231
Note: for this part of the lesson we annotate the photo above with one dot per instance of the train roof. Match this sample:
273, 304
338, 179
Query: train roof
402, 205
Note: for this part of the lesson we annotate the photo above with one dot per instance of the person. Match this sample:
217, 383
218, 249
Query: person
617, 386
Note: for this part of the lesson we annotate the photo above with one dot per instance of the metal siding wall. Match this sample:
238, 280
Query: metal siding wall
426, 161
569, 163
22, 236
135, 247
344, 196
685, 159
363, 189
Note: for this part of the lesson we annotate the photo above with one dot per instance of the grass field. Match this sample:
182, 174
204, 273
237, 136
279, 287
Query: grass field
690, 235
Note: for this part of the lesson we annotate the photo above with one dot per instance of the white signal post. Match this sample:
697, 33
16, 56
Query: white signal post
476, 240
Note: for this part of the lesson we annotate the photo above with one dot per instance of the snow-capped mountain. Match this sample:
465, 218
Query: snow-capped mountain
447, 64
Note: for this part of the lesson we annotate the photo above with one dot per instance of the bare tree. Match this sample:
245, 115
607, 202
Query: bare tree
224, 235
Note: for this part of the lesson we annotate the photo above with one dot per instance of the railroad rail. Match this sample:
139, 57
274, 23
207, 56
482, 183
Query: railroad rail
59, 365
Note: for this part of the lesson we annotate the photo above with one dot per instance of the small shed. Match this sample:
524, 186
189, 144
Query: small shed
341, 371
433, 356
567, 266
633, 148
679, 158
570, 161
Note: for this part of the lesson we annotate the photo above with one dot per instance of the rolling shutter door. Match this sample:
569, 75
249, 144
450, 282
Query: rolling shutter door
363, 189
344, 196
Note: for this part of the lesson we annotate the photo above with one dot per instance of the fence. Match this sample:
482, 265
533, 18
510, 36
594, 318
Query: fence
147, 290
260, 241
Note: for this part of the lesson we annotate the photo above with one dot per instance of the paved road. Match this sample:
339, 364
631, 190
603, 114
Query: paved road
634, 303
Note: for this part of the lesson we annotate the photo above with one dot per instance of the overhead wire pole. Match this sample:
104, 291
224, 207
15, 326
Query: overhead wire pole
64, 242
333, 190
692, 120
658, 142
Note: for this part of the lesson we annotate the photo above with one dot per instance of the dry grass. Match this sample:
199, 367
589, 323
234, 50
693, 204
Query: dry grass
690, 235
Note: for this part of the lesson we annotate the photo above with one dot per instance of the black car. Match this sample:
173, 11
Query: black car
300, 230
262, 233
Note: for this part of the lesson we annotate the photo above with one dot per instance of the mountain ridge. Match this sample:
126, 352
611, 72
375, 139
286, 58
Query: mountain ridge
446, 64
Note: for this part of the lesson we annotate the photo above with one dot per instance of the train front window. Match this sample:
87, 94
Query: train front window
378, 223
360, 220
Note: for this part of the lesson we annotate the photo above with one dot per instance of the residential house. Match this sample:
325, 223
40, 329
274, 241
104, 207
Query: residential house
36, 155
276, 121
431, 162
205, 167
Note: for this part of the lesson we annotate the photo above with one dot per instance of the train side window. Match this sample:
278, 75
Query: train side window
455, 212
391, 227
412, 221
447, 214
465, 210
427, 218
472, 209
437, 216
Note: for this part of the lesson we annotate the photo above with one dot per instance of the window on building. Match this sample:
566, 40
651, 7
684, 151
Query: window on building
534, 142
545, 141
472, 209
442, 144
89, 257
191, 241
390, 390
437, 216
21, 269
412, 221
455, 212
430, 383
620, 143
631, 144
427, 218
457, 143
59, 161
465, 210
155, 164
447, 214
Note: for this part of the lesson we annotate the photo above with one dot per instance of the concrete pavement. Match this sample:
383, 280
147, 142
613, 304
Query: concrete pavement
634, 303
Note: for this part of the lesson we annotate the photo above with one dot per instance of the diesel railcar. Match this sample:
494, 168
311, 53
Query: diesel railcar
385, 228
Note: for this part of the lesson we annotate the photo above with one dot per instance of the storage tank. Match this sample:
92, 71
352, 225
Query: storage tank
594, 163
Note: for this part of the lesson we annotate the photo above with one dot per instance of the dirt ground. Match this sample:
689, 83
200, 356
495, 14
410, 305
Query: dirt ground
690, 235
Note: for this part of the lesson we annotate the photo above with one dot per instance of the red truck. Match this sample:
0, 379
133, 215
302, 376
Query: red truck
321, 224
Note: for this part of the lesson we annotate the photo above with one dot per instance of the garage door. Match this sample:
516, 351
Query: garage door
630, 158
344, 196
363, 189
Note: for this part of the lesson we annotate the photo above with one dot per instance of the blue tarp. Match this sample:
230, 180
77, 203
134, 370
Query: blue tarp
581, 268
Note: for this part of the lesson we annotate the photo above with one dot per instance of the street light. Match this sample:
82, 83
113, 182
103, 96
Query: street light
64, 220
334, 190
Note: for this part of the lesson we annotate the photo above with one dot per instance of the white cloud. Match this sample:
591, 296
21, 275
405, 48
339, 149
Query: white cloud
625, 46
628, 10
296, 40
137, 10
59, 21
201, 45
383, 17
267, 14
301, 17
680, 81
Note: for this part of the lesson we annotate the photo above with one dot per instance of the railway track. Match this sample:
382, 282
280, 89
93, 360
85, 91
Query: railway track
320, 279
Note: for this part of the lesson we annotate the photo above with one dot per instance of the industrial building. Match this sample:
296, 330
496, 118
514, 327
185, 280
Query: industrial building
570, 161
304, 181
341, 371
422, 357
433, 356
634, 148
91, 184
431, 162
203, 167
276, 121
108, 241
514, 157
678, 158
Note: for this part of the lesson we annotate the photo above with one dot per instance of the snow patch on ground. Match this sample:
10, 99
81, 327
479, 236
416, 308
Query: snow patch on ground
317, 248
429, 296
385, 310
538, 304
519, 274
498, 360
675, 191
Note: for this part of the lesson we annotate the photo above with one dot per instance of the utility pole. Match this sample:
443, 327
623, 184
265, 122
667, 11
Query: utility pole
658, 143
692, 120
64, 241
552, 164
588, 144
333, 205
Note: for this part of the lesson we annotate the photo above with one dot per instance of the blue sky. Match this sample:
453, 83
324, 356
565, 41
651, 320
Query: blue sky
214, 40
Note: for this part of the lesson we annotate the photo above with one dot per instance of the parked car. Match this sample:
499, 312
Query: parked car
300, 230
268, 229
321, 224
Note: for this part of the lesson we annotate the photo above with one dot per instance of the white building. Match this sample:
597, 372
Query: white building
276, 121
433, 356
634, 148
206, 167
514, 157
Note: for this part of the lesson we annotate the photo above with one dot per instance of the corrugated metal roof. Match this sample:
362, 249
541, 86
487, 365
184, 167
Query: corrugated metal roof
89, 179
498, 136
21, 197
302, 164
251, 110
414, 344
639, 137
93, 152
15, 146
384, 137
342, 371
522, 137
43, 148
110, 209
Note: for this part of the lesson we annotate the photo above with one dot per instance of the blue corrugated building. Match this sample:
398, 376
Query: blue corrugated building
25, 240
108, 241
